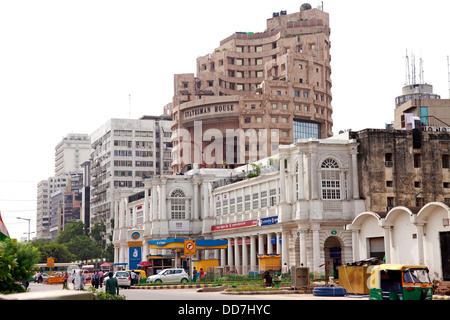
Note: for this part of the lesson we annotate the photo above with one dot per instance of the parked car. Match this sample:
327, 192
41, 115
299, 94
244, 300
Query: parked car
175, 275
123, 278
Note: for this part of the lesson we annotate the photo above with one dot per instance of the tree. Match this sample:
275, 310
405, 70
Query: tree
98, 232
16, 264
59, 252
73, 229
77, 242
83, 248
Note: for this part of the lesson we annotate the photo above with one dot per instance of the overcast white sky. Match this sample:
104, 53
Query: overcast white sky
69, 66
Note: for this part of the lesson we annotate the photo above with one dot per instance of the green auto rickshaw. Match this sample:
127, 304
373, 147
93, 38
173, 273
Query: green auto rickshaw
400, 282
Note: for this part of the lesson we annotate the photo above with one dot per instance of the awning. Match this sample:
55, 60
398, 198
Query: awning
211, 244
144, 264
120, 264
106, 264
166, 244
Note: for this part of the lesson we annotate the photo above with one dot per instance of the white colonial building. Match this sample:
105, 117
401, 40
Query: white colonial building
299, 211
295, 207
406, 236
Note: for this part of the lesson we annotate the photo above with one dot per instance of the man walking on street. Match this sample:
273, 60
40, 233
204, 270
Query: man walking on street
112, 286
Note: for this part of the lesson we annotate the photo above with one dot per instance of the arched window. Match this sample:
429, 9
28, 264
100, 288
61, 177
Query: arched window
178, 205
331, 180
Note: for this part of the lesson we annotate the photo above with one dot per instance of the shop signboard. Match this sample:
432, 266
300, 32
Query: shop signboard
235, 225
269, 221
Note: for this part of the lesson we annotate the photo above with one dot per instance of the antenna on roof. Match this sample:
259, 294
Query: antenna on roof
408, 75
421, 72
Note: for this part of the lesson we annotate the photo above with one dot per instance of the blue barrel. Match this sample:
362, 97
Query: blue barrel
330, 291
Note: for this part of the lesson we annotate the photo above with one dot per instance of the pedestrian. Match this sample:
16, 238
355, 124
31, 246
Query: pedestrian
194, 275
138, 278
133, 277
95, 279
285, 268
202, 273
80, 280
267, 278
101, 278
66, 278
112, 286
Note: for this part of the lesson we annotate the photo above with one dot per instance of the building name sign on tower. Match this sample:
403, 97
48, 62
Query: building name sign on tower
207, 110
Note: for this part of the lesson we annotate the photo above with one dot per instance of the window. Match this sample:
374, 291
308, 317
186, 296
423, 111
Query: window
305, 130
330, 180
247, 202
232, 205
388, 160
263, 199
177, 205
273, 197
305, 94
239, 204
445, 161
417, 160
255, 200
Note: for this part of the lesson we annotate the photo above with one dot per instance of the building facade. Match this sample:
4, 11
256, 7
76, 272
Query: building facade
47, 219
419, 103
415, 236
277, 82
124, 153
403, 167
405, 182
65, 205
71, 152
296, 207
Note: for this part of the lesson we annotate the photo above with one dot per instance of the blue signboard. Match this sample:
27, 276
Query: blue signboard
269, 221
134, 255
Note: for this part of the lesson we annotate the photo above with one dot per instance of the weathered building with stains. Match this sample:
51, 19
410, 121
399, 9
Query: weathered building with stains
403, 167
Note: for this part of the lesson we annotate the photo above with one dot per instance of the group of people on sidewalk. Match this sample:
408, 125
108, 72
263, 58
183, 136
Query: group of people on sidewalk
195, 273
79, 281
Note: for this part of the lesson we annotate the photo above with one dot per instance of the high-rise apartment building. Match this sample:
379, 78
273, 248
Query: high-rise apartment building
65, 205
71, 152
45, 190
125, 152
277, 82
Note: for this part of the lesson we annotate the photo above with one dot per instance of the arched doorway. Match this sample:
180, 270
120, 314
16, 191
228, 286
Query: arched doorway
333, 255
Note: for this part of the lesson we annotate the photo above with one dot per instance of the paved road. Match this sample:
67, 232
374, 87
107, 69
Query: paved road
192, 294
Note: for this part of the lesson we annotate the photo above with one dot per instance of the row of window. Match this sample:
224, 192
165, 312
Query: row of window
417, 160
129, 163
248, 202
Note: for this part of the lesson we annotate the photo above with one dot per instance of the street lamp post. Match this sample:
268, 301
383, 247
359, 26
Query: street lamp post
29, 222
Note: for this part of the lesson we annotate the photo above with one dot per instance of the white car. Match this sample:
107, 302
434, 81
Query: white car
175, 275
123, 278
